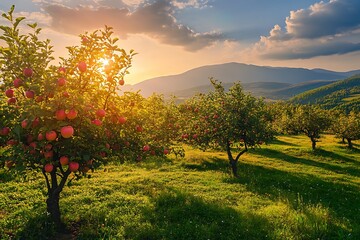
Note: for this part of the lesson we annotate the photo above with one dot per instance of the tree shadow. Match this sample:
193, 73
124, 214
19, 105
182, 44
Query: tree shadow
343, 200
210, 164
38, 227
274, 154
178, 215
324, 153
279, 142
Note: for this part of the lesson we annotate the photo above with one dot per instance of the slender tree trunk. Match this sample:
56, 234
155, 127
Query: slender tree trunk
53, 208
349, 143
233, 162
53, 196
313, 143
343, 140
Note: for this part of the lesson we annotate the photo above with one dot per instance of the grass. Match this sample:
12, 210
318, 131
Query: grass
352, 98
285, 191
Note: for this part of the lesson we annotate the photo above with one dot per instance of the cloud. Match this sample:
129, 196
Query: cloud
325, 28
155, 20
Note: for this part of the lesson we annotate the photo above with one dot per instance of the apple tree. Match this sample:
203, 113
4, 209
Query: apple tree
310, 120
68, 119
230, 120
347, 127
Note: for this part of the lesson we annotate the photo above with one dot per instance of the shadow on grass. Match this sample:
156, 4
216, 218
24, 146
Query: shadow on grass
38, 227
274, 154
299, 189
177, 215
210, 164
279, 142
324, 153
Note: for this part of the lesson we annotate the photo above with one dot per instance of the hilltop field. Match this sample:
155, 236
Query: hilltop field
285, 191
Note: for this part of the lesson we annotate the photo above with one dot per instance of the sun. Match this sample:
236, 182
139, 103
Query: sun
104, 62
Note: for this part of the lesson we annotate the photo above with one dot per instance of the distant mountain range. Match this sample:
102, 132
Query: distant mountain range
269, 82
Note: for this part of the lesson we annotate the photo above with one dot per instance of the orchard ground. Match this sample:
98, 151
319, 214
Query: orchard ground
285, 190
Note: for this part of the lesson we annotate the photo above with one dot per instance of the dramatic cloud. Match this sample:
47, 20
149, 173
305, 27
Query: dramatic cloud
325, 28
155, 20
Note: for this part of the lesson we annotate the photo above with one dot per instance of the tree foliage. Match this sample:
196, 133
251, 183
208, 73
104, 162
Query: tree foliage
68, 119
347, 126
310, 120
226, 120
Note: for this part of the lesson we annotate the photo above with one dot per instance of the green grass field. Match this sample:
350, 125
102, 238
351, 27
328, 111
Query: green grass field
285, 191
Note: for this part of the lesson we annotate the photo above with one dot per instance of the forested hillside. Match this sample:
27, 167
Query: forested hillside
343, 95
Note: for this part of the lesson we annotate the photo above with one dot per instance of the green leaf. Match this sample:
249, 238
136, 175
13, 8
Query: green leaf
17, 21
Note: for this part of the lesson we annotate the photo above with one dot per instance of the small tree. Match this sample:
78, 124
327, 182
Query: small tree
307, 119
68, 119
226, 120
347, 127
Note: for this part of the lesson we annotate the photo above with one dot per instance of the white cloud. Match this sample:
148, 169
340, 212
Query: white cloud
325, 28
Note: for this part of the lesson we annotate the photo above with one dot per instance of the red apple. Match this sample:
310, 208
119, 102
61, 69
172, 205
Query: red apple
39, 99
139, 128
72, 113
9, 93
66, 94
12, 142
82, 66
18, 82
146, 148
62, 70
29, 94
4, 131
50, 135
24, 123
97, 122
64, 160
11, 101
107, 146
50, 95
48, 167
35, 123
67, 131
49, 154
121, 82
73, 166
100, 113
216, 116
40, 137
122, 120
152, 152
32, 145
184, 136
60, 114
166, 151
61, 82
195, 136
28, 72
84, 40
48, 147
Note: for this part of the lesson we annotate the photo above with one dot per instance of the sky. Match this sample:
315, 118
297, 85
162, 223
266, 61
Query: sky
173, 36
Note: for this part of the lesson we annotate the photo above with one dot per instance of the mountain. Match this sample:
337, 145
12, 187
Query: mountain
232, 72
344, 94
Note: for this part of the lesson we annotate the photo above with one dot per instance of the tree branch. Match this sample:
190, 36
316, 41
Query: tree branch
241, 153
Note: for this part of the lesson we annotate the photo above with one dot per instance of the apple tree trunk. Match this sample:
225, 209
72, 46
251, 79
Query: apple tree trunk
53, 196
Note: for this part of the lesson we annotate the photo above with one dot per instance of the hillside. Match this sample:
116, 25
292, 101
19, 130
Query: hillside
268, 90
343, 95
232, 72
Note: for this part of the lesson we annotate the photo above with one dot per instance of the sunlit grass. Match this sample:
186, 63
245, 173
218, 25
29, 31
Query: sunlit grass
285, 191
